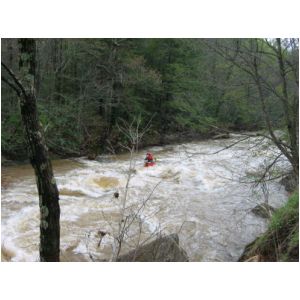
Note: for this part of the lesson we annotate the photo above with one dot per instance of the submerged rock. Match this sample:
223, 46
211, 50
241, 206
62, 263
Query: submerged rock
263, 210
163, 249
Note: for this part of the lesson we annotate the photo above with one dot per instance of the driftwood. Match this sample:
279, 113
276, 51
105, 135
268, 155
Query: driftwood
221, 136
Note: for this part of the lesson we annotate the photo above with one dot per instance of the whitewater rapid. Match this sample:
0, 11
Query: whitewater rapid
203, 197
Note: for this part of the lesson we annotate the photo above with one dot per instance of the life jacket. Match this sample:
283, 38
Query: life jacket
149, 157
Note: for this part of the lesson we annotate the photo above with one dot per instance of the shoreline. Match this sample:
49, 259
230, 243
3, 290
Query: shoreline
164, 140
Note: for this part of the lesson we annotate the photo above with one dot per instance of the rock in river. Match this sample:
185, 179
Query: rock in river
163, 249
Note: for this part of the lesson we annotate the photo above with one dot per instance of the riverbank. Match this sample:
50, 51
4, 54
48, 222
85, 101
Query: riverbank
281, 241
116, 146
153, 139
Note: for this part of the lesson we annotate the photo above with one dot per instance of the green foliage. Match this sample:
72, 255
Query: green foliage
85, 86
281, 241
287, 215
12, 138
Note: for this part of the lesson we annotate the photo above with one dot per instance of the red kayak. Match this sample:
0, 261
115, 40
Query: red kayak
149, 164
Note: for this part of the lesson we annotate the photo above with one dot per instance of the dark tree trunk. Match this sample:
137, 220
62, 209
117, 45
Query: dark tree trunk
57, 66
291, 118
47, 189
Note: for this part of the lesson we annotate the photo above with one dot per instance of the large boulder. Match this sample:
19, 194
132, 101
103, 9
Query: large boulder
163, 249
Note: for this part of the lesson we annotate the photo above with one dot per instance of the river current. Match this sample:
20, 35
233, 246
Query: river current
204, 197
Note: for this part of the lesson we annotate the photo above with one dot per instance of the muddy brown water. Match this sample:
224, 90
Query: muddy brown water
199, 196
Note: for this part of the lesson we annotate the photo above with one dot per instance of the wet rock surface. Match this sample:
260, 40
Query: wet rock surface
163, 249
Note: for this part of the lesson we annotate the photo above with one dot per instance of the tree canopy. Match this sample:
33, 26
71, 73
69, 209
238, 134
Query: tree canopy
86, 86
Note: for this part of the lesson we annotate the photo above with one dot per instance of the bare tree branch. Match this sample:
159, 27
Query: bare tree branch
268, 168
14, 77
11, 85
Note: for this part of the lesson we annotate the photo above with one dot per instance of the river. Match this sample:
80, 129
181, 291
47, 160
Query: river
203, 197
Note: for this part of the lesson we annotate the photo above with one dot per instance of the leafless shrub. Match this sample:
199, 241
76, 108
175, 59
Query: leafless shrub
130, 227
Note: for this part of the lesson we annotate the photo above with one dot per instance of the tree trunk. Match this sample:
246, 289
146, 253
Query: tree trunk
47, 189
290, 117
57, 64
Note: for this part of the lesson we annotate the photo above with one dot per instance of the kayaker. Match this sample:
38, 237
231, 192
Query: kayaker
149, 157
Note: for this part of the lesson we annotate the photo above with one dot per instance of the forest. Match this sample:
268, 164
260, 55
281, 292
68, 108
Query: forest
186, 87
77, 98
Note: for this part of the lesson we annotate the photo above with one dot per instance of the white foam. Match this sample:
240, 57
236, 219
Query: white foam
197, 189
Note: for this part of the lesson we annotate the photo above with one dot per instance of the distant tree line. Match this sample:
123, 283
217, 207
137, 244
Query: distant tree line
84, 87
